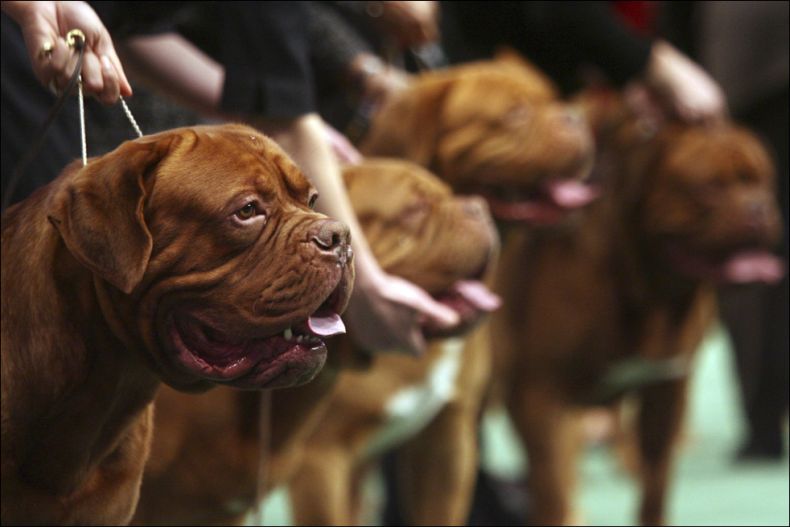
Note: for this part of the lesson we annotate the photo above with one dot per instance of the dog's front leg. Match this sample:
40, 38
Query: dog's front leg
437, 469
550, 431
321, 489
660, 417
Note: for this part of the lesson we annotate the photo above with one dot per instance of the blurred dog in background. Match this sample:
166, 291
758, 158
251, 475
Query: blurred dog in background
620, 303
496, 129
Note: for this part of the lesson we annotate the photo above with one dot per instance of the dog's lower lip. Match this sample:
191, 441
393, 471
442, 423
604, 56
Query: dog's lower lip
244, 359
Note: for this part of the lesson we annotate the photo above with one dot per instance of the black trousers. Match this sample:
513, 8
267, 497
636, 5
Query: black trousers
756, 316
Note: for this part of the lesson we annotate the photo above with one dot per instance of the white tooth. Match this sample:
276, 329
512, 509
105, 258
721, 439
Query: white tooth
300, 338
288, 334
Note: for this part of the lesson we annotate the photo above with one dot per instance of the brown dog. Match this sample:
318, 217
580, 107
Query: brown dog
495, 129
619, 304
426, 408
206, 457
179, 257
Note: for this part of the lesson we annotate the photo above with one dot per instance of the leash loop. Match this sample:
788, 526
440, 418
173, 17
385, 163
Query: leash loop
75, 39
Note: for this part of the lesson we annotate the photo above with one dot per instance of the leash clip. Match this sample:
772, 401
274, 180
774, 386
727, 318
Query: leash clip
75, 38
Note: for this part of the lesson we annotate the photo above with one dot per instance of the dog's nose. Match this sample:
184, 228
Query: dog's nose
331, 235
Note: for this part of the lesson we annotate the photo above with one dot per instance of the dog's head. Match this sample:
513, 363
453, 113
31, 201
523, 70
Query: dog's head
495, 129
217, 263
420, 231
703, 197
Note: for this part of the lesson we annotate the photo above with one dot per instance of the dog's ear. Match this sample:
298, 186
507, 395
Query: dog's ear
98, 211
408, 126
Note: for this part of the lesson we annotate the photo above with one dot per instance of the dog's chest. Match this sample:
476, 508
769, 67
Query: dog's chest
411, 408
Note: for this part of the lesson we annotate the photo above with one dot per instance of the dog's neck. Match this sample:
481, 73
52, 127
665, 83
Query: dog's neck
81, 390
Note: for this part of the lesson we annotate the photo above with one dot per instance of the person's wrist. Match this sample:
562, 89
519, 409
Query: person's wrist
662, 55
363, 68
369, 276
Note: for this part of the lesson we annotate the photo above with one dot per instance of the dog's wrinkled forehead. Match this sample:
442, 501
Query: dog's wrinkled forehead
723, 153
506, 97
212, 164
383, 188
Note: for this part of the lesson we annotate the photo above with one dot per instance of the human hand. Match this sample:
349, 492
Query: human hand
408, 23
376, 80
471, 300
683, 87
44, 26
386, 312
382, 85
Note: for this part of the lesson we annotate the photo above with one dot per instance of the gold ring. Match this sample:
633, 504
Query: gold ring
46, 50
73, 35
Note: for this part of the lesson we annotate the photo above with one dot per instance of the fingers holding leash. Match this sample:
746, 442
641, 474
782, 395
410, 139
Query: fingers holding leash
52, 30
112, 71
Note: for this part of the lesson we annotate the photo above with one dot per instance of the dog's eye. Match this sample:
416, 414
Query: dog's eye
312, 199
247, 211
744, 176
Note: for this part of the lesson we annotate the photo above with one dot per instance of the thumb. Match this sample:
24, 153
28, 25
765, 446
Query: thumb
417, 299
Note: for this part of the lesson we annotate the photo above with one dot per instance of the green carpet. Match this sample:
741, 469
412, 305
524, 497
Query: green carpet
708, 489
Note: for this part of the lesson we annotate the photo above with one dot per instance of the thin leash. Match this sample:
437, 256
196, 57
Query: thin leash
264, 446
76, 40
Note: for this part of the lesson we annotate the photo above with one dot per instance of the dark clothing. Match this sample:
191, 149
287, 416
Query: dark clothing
335, 42
560, 38
25, 105
263, 47
756, 315
339, 33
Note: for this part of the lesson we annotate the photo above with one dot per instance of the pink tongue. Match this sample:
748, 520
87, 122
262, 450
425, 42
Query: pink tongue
326, 326
571, 194
477, 294
754, 267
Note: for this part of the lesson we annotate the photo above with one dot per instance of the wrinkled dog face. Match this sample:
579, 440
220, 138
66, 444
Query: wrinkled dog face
241, 280
712, 196
420, 231
498, 133
496, 130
